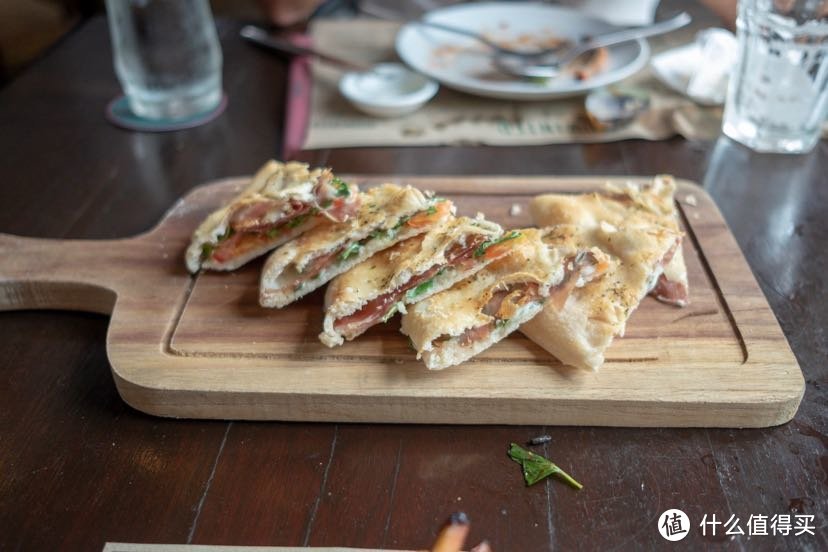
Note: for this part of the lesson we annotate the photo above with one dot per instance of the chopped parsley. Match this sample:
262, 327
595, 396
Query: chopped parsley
207, 248
401, 222
431, 210
481, 249
273, 232
379, 233
350, 251
342, 189
399, 306
293, 223
501, 322
418, 290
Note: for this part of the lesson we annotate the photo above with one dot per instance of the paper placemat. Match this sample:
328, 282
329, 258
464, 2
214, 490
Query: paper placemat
454, 118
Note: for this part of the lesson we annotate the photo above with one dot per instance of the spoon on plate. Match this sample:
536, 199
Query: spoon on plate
548, 62
543, 62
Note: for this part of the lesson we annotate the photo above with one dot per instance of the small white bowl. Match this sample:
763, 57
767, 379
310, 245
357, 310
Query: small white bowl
388, 90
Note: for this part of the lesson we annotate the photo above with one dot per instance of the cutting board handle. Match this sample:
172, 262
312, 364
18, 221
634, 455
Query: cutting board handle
62, 274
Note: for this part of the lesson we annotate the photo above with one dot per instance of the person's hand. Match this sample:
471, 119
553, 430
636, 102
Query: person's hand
288, 12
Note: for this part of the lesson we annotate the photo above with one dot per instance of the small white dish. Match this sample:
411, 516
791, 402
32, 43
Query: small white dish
388, 90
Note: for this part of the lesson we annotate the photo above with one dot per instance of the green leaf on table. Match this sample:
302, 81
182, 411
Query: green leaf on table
536, 467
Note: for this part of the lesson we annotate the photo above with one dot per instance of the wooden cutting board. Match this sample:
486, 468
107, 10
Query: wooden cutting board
201, 347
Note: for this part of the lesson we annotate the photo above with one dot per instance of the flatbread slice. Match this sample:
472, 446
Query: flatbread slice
388, 214
282, 201
656, 201
413, 270
457, 324
637, 228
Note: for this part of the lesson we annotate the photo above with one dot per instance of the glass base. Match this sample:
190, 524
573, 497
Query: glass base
762, 141
172, 107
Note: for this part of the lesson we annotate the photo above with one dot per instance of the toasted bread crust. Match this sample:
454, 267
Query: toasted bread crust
451, 313
637, 227
395, 267
381, 210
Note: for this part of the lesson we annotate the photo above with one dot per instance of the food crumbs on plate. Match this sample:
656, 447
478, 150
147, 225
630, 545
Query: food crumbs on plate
540, 439
536, 467
515, 210
690, 199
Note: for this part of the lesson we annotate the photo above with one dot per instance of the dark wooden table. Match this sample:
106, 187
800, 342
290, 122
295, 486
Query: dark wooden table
78, 467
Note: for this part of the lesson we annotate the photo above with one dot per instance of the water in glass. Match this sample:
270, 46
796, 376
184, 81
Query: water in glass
167, 56
778, 93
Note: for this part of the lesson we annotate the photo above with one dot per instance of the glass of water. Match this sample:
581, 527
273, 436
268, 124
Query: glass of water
167, 56
778, 93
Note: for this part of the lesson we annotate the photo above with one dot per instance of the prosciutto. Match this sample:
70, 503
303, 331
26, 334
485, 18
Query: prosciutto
254, 224
458, 256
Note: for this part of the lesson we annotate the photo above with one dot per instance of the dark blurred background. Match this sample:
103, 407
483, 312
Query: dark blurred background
28, 28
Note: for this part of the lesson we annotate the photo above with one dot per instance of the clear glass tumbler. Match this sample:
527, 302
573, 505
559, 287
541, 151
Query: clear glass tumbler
778, 93
167, 56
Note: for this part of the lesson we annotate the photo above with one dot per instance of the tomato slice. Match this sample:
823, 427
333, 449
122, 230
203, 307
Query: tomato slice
424, 218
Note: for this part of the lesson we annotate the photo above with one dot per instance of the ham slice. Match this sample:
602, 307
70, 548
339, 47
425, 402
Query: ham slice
669, 292
460, 256
501, 306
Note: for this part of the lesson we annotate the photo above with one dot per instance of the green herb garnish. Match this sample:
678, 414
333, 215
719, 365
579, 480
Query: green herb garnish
293, 223
273, 232
379, 233
206, 250
396, 307
481, 249
414, 292
227, 233
342, 189
400, 223
431, 210
350, 251
501, 322
536, 467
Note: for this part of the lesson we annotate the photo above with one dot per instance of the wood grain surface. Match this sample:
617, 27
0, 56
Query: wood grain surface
202, 347
80, 467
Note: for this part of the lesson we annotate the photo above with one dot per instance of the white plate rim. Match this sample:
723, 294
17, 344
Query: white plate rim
463, 85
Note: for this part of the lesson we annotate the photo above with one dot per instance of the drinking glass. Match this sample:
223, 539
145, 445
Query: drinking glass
167, 56
778, 92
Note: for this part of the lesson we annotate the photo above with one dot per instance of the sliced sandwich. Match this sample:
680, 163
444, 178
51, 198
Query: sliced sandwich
656, 199
281, 202
637, 228
388, 214
455, 325
413, 270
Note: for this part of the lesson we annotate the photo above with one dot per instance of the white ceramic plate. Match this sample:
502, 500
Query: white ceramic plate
464, 64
